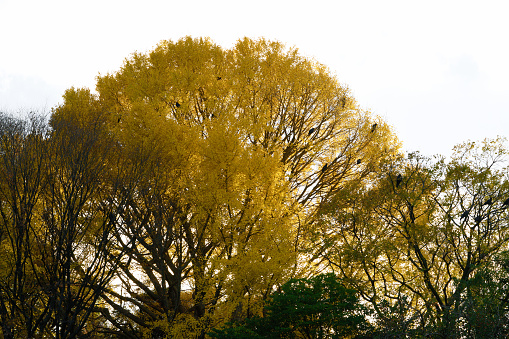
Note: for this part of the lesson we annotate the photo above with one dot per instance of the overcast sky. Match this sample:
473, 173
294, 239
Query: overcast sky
437, 71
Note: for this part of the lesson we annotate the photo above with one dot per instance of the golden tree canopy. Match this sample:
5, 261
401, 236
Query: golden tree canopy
241, 145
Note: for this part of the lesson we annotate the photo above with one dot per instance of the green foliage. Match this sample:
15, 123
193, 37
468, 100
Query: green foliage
319, 307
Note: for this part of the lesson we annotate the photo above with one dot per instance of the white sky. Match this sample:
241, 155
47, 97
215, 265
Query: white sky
437, 71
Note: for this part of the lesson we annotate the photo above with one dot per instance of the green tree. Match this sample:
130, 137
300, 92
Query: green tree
318, 307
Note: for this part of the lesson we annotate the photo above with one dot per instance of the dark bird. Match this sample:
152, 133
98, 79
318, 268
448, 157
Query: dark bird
343, 102
359, 161
478, 219
488, 202
373, 128
177, 104
399, 179
324, 168
218, 78
464, 214
506, 202
311, 131
118, 120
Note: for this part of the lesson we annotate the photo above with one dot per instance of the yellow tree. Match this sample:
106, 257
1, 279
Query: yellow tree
233, 151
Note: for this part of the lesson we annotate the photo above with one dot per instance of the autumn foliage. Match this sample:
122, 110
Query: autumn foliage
199, 185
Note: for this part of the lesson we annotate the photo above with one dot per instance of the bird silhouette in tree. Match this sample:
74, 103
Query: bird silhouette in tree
399, 179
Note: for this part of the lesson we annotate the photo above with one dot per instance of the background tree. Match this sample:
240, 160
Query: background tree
57, 212
425, 235
23, 162
79, 208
